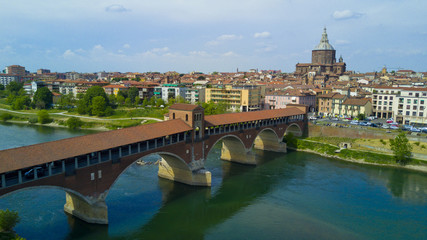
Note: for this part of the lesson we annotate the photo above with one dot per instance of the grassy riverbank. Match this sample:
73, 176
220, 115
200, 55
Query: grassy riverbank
122, 118
328, 147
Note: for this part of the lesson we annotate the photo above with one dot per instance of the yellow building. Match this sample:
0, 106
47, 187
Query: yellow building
242, 98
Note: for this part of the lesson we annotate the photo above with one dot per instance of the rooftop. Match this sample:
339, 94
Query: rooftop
22, 157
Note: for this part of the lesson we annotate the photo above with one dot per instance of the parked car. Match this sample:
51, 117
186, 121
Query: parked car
374, 125
334, 119
370, 118
406, 127
312, 118
354, 122
394, 127
364, 123
30, 173
385, 126
414, 129
424, 129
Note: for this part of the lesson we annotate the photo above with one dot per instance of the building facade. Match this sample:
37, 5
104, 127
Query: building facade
279, 99
404, 105
240, 98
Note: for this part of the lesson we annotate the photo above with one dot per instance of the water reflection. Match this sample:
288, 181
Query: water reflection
191, 215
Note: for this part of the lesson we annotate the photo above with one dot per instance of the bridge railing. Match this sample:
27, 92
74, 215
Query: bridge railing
69, 166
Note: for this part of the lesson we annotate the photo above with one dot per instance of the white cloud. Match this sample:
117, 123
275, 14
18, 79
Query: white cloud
163, 49
199, 53
229, 37
98, 48
262, 35
116, 8
68, 53
346, 14
223, 38
126, 45
229, 54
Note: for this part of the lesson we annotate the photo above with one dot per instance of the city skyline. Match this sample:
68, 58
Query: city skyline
142, 36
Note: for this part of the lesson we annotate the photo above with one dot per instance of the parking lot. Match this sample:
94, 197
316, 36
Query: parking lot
376, 123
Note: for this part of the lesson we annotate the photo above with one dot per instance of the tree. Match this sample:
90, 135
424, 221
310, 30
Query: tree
43, 117
401, 148
361, 116
14, 87
74, 122
21, 102
8, 220
201, 78
98, 106
1, 87
120, 99
85, 104
5, 116
144, 102
65, 101
137, 100
132, 93
43, 98
128, 102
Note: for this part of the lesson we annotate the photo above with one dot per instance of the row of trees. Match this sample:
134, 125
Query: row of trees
19, 100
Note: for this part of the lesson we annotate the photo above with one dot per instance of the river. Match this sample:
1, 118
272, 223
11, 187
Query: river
288, 196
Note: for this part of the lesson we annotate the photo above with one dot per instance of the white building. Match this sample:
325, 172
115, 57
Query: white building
405, 105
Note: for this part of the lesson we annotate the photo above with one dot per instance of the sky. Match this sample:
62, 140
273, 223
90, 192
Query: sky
208, 36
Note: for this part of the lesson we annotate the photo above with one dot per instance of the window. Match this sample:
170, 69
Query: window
390, 103
417, 94
414, 107
379, 102
415, 101
173, 116
408, 107
385, 97
381, 97
410, 94
391, 98
407, 113
414, 114
390, 108
408, 101
421, 108
422, 102
385, 102
421, 114
186, 117
424, 94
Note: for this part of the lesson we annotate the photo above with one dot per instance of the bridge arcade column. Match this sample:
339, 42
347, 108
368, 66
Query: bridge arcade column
268, 140
91, 210
233, 150
174, 169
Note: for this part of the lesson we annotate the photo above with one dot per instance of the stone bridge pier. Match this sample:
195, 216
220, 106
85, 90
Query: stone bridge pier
89, 209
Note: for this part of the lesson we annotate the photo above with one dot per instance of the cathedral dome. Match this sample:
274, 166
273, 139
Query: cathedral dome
324, 42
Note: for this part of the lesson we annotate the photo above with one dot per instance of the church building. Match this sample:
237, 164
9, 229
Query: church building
323, 66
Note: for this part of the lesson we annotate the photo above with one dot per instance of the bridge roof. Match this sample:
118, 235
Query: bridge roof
22, 157
230, 118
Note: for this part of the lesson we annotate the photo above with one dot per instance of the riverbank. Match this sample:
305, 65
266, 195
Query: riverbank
355, 156
56, 125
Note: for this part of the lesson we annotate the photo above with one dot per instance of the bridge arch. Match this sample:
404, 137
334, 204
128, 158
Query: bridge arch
295, 129
268, 139
234, 149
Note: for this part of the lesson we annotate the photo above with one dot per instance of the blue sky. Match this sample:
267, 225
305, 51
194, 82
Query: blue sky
207, 36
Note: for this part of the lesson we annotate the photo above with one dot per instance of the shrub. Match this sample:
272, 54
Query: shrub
5, 116
33, 120
417, 143
8, 220
382, 141
74, 122
43, 117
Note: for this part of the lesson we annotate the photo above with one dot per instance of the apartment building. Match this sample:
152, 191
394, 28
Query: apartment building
243, 98
405, 105
167, 91
279, 99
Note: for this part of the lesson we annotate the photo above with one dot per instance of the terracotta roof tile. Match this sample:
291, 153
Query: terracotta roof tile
230, 118
22, 157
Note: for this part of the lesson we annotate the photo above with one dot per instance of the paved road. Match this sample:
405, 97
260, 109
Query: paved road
91, 118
